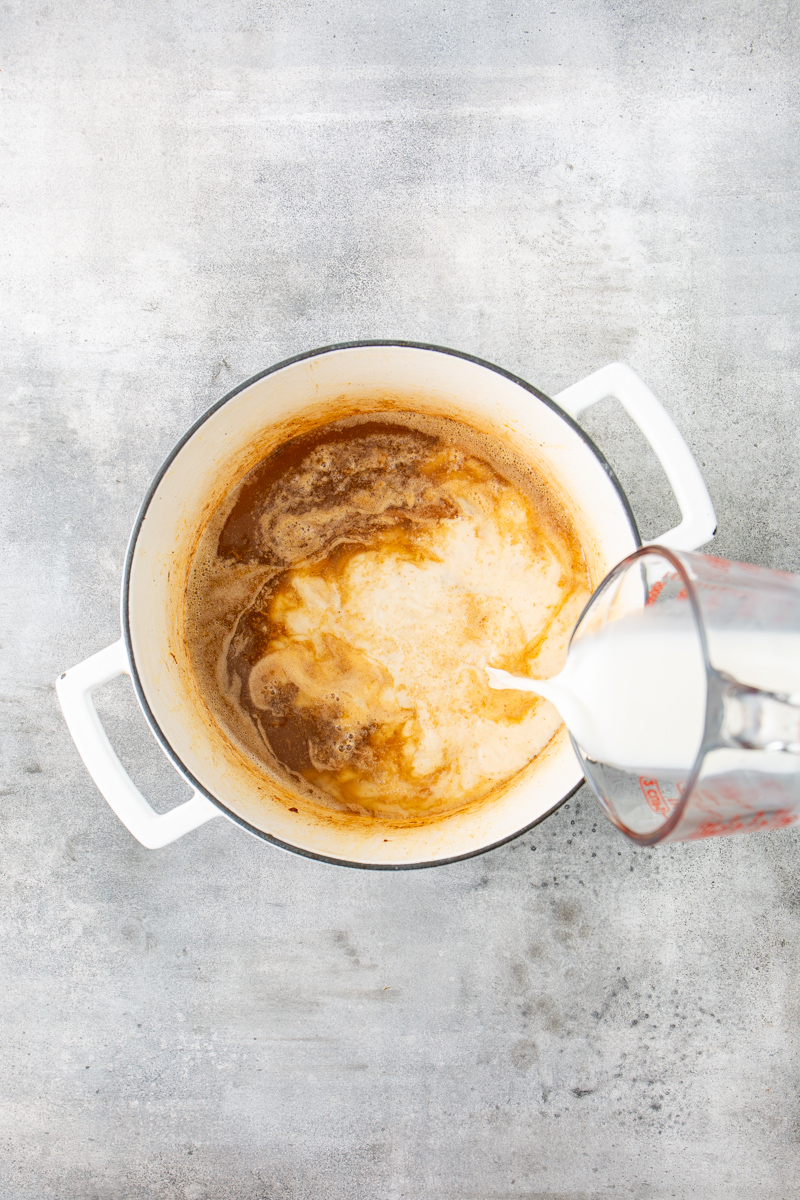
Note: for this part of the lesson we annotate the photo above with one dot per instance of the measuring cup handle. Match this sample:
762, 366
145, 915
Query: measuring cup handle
619, 381
152, 829
752, 719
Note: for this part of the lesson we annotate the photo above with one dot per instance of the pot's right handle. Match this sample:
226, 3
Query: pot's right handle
74, 689
617, 380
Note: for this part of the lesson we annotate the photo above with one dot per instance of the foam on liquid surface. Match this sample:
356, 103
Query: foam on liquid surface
347, 596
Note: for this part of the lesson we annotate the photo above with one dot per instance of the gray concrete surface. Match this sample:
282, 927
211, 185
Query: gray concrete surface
191, 191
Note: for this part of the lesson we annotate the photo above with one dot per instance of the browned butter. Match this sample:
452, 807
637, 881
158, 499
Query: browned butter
348, 593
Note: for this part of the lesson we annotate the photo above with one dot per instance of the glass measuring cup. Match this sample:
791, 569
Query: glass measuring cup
701, 657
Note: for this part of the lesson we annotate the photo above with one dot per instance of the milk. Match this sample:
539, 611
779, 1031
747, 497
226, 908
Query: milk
633, 695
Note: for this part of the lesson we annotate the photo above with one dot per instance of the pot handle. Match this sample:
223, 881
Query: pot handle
699, 523
74, 689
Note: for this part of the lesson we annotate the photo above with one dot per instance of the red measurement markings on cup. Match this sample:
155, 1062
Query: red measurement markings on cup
745, 824
655, 592
656, 800
658, 587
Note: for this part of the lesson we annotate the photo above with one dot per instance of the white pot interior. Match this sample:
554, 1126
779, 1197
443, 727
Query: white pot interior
243, 430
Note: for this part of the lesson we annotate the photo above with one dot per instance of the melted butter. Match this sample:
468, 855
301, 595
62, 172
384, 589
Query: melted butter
350, 592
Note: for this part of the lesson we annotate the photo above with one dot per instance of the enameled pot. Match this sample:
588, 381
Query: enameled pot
282, 402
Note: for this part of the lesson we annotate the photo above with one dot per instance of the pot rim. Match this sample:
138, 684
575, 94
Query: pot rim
142, 513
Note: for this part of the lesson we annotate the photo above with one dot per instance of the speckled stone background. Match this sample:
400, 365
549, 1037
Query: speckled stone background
190, 191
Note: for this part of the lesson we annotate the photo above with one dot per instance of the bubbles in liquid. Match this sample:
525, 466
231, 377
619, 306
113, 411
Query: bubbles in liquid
349, 592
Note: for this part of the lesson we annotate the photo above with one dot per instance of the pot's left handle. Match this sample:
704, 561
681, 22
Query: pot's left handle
74, 689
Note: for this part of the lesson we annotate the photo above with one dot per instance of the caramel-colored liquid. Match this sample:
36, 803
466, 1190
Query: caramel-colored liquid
347, 595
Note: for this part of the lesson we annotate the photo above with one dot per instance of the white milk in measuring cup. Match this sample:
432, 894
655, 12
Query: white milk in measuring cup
633, 694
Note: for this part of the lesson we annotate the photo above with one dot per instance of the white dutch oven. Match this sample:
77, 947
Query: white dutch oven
227, 441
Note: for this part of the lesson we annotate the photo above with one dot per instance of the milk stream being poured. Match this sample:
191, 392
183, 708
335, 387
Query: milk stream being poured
633, 695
